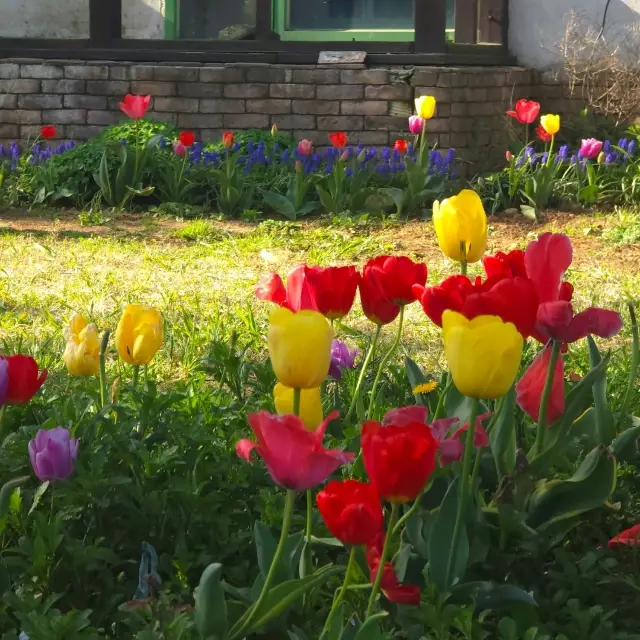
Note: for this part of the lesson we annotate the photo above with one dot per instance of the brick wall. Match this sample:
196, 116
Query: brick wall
372, 105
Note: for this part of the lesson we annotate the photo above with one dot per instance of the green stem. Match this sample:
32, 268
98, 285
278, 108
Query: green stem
383, 559
463, 267
443, 397
296, 402
2, 423
546, 394
136, 373
633, 367
243, 625
103, 368
465, 486
414, 507
383, 363
306, 567
343, 590
553, 139
363, 371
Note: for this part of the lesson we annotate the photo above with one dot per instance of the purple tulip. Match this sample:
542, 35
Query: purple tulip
52, 453
341, 358
4, 380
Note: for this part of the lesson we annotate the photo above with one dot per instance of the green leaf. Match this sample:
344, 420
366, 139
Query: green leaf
487, 595
308, 207
605, 428
326, 199
441, 542
37, 496
415, 376
624, 446
334, 632
589, 487
370, 629
529, 212
211, 608
503, 436
280, 203
398, 196
7, 490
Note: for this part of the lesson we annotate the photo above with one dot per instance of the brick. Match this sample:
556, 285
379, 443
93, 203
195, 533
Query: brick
221, 106
65, 116
316, 107
389, 92
246, 90
8, 101
199, 121
85, 102
9, 70
441, 94
301, 91
459, 109
19, 86
199, 90
364, 108
176, 74
444, 79
458, 139
372, 137
294, 122
221, 74
82, 132
460, 124
142, 72
246, 121
316, 76
368, 76
269, 106
9, 131
317, 137
63, 86
340, 92
163, 116
438, 125
385, 122
155, 89
181, 105
16, 116
40, 101
458, 80
86, 72
422, 78
340, 123
41, 71
119, 73
110, 88
267, 74
30, 132
444, 140
211, 135
104, 117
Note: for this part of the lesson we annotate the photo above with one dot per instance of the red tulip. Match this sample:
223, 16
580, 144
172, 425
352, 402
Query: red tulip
398, 459
557, 321
297, 294
227, 139
396, 276
405, 415
338, 140
546, 261
628, 537
48, 132
187, 138
351, 511
332, 289
24, 379
401, 146
529, 388
294, 456
135, 107
374, 304
526, 111
506, 265
449, 294
542, 134
179, 149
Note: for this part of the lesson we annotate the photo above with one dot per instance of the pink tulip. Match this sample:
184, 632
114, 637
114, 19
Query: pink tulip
508, 155
305, 147
135, 107
178, 148
590, 148
416, 125
294, 456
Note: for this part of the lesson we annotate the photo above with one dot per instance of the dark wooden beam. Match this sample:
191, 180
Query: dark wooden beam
264, 20
105, 22
466, 22
430, 17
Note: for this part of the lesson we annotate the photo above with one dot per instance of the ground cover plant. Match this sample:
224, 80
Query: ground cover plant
123, 492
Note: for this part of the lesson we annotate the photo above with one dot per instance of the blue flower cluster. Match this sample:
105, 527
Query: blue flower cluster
614, 154
37, 155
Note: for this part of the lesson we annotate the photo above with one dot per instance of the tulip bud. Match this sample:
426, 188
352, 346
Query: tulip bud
508, 155
298, 166
362, 155
345, 155
601, 157
274, 130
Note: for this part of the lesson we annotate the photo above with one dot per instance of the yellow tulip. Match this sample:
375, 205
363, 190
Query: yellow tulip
483, 354
82, 353
139, 334
425, 107
550, 123
461, 226
310, 404
300, 347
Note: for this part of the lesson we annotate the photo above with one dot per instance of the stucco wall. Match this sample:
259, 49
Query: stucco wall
39, 19
142, 18
537, 26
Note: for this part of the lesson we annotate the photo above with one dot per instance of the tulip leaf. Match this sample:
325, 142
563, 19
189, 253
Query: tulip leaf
490, 596
503, 436
588, 488
624, 446
7, 491
459, 406
211, 608
370, 629
605, 428
441, 542
37, 496
266, 547
334, 632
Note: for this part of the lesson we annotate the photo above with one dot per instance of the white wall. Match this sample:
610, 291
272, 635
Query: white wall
44, 18
537, 26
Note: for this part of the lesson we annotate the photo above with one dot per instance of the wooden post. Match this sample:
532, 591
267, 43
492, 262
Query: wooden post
264, 20
105, 22
430, 17
466, 22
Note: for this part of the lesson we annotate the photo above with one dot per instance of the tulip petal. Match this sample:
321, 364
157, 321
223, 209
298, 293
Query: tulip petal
547, 259
594, 321
298, 294
554, 319
244, 449
404, 416
270, 288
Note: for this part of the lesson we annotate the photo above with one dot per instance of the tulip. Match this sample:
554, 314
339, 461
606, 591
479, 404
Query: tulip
305, 147
461, 226
332, 290
628, 537
310, 411
293, 455
82, 353
4, 380
590, 148
550, 123
24, 379
338, 140
557, 321
483, 354
508, 155
374, 303
139, 334
187, 138
297, 294
227, 139
398, 459
351, 510
543, 136
396, 276
48, 131
401, 146
341, 358
179, 149
505, 265
274, 130
344, 156
425, 107
299, 347
416, 125
135, 107
451, 294
526, 111
52, 454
